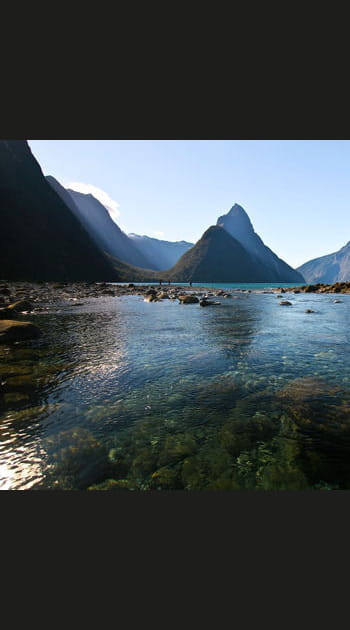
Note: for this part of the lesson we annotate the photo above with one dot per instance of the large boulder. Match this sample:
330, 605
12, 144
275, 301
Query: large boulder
17, 331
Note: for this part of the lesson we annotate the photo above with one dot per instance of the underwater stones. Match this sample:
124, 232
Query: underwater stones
205, 302
19, 383
144, 463
20, 306
113, 484
308, 388
29, 414
15, 397
166, 479
177, 447
309, 310
11, 331
77, 458
285, 303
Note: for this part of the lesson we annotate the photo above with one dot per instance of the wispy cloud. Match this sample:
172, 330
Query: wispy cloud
102, 196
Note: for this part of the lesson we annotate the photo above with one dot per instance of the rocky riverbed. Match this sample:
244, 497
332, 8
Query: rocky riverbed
19, 299
119, 393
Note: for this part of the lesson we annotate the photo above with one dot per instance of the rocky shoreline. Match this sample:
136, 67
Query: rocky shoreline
22, 298
338, 287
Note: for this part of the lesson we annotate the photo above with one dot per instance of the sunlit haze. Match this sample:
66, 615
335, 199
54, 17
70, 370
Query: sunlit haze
296, 192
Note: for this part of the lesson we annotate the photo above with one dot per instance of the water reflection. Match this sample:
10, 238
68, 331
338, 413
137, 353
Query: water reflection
119, 393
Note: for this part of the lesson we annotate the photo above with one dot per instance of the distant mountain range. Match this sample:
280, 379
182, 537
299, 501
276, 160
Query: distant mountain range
51, 233
97, 221
160, 254
328, 269
139, 251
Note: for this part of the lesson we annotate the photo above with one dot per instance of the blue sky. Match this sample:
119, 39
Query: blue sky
296, 192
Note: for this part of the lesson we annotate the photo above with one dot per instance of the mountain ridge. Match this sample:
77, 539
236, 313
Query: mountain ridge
328, 269
237, 223
217, 257
40, 238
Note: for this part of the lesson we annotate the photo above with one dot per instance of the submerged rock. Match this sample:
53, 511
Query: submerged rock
308, 388
205, 302
285, 303
17, 331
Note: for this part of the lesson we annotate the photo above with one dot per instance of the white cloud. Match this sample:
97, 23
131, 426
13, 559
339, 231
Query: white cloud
158, 234
88, 189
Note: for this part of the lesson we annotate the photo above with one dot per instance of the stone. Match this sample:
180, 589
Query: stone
11, 310
205, 302
188, 299
17, 331
285, 303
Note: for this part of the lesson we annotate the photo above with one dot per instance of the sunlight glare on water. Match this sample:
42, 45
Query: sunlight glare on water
162, 395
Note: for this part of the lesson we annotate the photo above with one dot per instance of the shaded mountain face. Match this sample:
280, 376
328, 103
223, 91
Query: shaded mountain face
97, 221
40, 238
160, 254
217, 257
328, 269
237, 223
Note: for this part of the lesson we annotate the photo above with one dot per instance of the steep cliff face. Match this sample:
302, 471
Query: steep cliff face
40, 238
217, 257
237, 223
97, 221
328, 269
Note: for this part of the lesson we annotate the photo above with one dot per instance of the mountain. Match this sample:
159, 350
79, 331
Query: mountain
237, 223
328, 269
160, 254
217, 257
97, 221
40, 238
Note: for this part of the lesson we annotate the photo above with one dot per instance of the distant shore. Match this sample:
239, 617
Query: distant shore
42, 293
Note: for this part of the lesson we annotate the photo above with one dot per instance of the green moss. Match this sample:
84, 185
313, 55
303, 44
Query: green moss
177, 447
166, 479
113, 484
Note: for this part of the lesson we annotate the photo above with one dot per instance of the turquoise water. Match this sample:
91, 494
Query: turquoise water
122, 393
221, 285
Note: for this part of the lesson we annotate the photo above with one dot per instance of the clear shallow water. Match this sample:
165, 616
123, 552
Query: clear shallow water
119, 392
